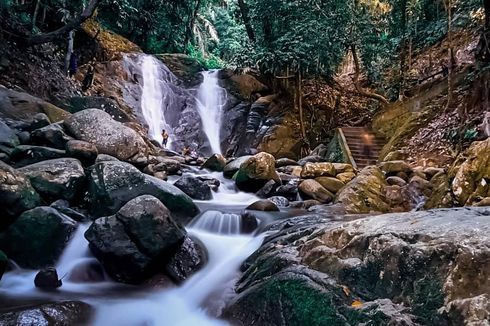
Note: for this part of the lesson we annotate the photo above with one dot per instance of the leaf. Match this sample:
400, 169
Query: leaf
356, 304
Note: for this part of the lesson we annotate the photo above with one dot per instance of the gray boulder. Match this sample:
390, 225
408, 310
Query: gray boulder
231, 168
111, 184
26, 154
17, 194
52, 135
38, 237
56, 179
7, 136
82, 150
195, 188
109, 136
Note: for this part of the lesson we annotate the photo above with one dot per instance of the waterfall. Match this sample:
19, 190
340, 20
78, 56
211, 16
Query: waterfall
217, 222
211, 99
156, 97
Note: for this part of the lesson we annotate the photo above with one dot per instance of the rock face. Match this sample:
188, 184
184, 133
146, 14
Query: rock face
195, 188
365, 193
133, 242
111, 184
472, 179
51, 314
315, 271
56, 179
37, 238
17, 194
109, 136
256, 171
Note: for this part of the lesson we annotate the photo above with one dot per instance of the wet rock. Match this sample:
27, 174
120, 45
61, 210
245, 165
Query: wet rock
54, 179
26, 155
393, 167
194, 187
306, 204
47, 279
132, 243
469, 311
17, 194
211, 182
105, 158
268, 190
52, 135
432, 171
285, 162
63, 207
472, 176
51, 314
263, 206
311, 159
111, 184
396, 181
365, 193
255, 172
87, 271
189, 258
85, 152
109, 136
315, 170
342, 168
346, 177
168, 165
331, 184
231, 168
24, 137
249, 223
215, 163
279, 201
314, 190
441, 196
7, 136
51, 231
4, 262
289, 190
39, 120
419, 186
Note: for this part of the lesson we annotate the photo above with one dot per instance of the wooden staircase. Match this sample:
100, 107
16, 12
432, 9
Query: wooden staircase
356, 145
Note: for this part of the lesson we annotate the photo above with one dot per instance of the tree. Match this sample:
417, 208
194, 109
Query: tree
246, 20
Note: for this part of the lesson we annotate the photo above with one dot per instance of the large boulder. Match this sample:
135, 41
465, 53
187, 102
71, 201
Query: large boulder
24, 155
315, 170
331, 184
215, 163
314, 190
132, 243
16, 193
187, 260
56, 179
231, 168
7, 136
472, 177
38, 237
47, 279
255, 172
111, 184
109, 136
52, 135
195, 188
50, 314
394, 167
263, 206
365, 193
82, 150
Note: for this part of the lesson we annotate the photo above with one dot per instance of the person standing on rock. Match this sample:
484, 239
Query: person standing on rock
165, 138
367, 140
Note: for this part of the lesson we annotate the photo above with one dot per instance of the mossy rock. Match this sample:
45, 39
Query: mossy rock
54, 113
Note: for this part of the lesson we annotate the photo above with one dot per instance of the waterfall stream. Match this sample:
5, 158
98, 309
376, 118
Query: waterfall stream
211, 100
198, 301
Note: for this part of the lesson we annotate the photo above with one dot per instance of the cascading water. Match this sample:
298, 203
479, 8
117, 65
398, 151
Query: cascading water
211, 99
156, 97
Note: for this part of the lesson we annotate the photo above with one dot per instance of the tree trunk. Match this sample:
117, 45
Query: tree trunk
300, 105
483, 48
192, 22
357, 85
63, 31
34, 16
246, 20
450, 51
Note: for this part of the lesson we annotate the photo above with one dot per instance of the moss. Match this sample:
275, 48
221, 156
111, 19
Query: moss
427, 299
54, 113
302, 304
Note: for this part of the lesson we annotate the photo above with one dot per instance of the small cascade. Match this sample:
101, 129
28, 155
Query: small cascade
211, 99
218, 222
157, 96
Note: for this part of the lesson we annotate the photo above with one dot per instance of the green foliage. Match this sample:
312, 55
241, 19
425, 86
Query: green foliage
209, 62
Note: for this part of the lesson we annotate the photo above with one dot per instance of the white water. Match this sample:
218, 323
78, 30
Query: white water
211, 99
157, 96
196, 302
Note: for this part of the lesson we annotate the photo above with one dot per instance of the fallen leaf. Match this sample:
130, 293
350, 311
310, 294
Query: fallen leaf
356, 304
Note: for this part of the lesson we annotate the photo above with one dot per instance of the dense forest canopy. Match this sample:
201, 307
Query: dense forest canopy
274, 36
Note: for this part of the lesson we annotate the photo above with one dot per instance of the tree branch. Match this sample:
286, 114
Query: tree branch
63, 31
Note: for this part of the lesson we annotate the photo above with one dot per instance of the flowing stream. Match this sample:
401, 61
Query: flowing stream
211, 99
198, 301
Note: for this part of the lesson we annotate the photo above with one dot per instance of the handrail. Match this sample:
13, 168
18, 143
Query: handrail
345, 148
